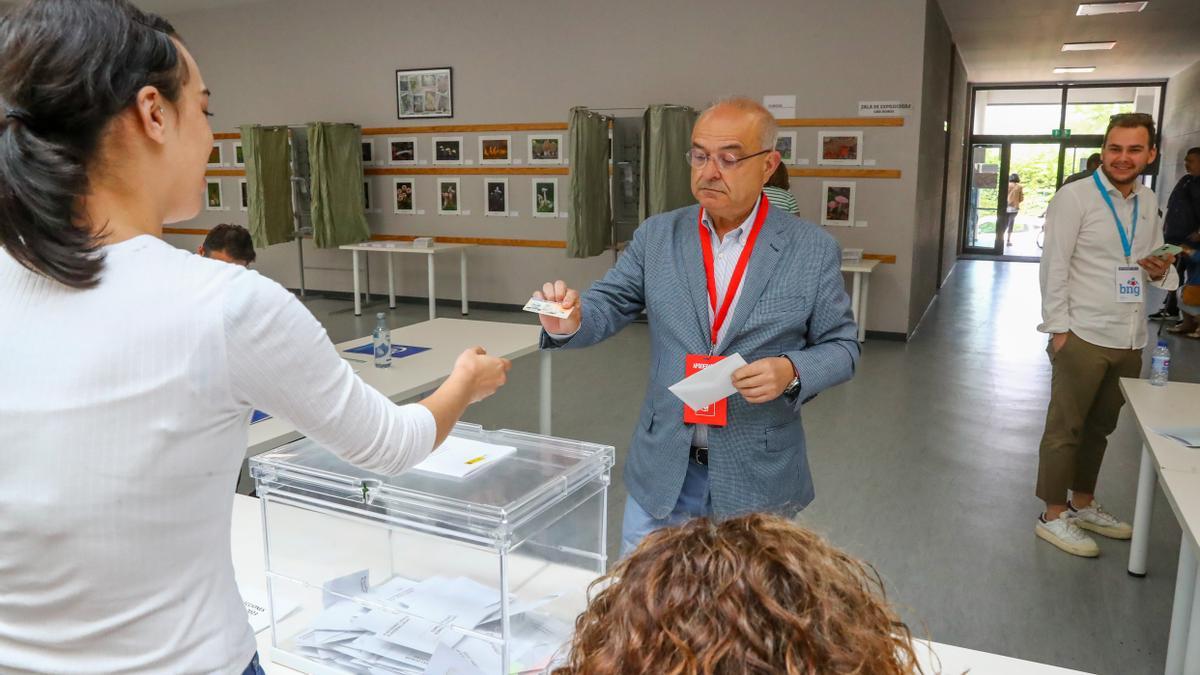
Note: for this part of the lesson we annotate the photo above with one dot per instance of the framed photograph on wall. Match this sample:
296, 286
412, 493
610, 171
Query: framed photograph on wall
214, 197
495, 197
837, 203
785, 143
495, 149
545, 197
545, 149
403, 196
402, 151
245, 194
368, 151
216, 157
425, 93
239, 155
839, 148
449, 197
447, 150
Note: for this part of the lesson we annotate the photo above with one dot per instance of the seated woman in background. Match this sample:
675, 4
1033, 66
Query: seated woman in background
777, 192
755, 594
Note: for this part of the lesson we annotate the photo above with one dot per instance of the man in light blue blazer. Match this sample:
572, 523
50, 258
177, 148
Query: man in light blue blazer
730, 275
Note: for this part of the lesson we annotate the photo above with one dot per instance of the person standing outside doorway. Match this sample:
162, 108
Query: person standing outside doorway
1099, 236
1016, 195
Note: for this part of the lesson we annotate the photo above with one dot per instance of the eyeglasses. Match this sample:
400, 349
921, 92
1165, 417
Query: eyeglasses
698, 158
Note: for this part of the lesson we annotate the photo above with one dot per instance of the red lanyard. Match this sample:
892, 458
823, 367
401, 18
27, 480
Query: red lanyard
739, 271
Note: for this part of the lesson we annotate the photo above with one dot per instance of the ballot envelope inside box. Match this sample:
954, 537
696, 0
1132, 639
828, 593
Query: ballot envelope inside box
424, 573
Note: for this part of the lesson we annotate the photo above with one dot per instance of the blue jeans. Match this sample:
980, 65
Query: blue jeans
694, 501
254, 668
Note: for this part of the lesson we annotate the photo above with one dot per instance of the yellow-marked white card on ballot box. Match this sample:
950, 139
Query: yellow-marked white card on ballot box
459, 458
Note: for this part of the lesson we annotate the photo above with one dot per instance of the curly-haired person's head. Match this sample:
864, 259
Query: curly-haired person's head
750, 595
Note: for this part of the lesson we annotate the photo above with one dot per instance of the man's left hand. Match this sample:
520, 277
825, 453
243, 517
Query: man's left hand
764, 380
1157, 267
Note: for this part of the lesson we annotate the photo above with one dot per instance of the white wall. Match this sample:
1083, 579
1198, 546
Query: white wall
294, 61
1181, 127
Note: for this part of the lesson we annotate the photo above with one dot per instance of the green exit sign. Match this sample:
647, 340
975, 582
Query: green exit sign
1060, 133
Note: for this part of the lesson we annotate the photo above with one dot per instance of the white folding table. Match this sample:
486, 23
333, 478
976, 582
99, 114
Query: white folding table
391, 248
860, 286
1177, 469
246, 544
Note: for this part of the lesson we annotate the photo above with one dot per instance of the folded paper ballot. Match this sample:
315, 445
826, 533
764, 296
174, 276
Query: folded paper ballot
1189, 436
459, 457
710, 385
434, 626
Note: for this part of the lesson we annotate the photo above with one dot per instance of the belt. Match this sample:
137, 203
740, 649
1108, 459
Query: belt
699, 455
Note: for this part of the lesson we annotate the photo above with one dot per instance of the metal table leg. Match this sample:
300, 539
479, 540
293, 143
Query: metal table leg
862, 308
1191, 645
1181, 608
357, 299
1142, 510
391, 282
462, 269
432, 289
855, 295
545, 396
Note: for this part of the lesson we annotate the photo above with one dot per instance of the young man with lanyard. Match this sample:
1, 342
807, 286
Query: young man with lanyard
732, 275
1100, 233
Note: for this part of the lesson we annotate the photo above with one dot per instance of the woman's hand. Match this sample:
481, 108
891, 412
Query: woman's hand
480, 375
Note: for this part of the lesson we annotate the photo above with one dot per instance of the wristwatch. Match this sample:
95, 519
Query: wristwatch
793, 389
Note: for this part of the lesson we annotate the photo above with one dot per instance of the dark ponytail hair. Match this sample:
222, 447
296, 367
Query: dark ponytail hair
67, 68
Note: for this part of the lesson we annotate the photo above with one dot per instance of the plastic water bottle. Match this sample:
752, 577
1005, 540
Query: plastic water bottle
381, 342
1160, 364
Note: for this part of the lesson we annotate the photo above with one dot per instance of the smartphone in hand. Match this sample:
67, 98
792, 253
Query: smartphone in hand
1166, 250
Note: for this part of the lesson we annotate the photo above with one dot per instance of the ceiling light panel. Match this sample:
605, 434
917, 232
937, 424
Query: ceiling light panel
1097, 8
1087, 46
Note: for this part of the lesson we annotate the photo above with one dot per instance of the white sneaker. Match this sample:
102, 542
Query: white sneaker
1096, 519
1066, 535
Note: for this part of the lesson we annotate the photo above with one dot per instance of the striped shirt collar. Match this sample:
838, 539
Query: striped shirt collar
740, 231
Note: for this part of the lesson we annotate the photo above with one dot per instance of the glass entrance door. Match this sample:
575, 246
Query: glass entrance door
1034, 166
983, 193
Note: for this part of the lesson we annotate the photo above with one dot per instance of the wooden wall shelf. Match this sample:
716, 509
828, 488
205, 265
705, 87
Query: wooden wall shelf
831, 122
842, 122
486, 241
466, 171
831, 172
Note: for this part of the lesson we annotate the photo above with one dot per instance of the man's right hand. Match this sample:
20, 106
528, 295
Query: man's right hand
1058, 341
569, 299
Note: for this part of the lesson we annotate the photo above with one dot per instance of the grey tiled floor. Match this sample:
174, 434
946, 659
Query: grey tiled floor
924, 466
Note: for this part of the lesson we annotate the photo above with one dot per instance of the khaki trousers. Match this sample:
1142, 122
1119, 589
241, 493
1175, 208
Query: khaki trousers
1085, 400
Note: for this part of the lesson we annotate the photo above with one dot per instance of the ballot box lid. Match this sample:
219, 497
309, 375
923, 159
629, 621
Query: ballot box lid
543, 474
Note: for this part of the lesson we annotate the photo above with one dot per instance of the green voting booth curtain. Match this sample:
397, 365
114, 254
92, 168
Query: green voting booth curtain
589, 229
335, 171
268, 184
666, 176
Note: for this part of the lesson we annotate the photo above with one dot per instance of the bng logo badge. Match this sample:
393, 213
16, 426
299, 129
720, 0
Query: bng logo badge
1130, 287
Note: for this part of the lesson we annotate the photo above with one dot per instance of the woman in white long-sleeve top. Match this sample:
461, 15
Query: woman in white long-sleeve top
128, 368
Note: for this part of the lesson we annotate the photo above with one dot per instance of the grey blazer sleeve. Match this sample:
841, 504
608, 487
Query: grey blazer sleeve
832, 351
611, 303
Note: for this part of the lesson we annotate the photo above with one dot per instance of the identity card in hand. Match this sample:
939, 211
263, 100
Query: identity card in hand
548, 308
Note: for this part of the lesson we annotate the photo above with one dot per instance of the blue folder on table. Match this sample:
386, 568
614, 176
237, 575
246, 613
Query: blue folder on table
398, 351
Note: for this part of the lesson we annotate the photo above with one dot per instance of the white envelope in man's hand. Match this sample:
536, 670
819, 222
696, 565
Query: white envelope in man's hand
709, 385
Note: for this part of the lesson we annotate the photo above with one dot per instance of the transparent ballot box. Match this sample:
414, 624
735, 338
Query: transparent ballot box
428, 571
